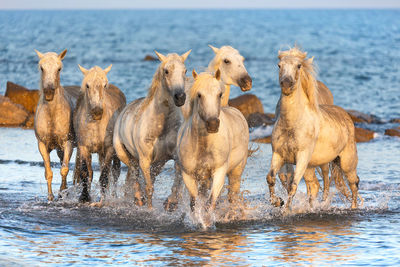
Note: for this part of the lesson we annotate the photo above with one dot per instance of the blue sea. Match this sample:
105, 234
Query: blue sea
358, 57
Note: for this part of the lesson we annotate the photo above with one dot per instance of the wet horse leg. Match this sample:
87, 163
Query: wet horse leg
171, 203
84, 173
276, 164
64, 167
325, 176
312, 184
234, 178
48, 172
191, 185
146, 172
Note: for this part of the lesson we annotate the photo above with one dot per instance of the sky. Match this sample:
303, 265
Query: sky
186, 4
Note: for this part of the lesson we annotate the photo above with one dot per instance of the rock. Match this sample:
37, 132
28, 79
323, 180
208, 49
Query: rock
149, 58
247, 104
393, 132
23, 96
395, 120
12, 114
259, 119
359, 117
264, 140
363, 135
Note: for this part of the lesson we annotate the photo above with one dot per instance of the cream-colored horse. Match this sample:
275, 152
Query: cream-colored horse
230, 63
97, 109
145, 132
308, 134
53, 117
212, 142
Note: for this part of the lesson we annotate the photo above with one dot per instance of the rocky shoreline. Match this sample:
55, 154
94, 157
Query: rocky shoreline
18, 106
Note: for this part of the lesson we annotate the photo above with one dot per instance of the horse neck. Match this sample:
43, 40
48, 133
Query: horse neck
161, 102
292, 106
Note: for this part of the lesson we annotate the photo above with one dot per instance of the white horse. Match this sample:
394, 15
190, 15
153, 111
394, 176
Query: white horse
212, 142
230, 63
53, 117
98, 106
308, 134
145, 131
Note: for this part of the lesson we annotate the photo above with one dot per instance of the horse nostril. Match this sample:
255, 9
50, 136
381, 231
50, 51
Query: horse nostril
179, 98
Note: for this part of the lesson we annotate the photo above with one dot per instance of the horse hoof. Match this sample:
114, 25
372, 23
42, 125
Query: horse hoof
277, 202
50, 197
139, 202
84, 198
170, 206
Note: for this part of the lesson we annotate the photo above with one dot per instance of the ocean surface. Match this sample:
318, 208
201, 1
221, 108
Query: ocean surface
358, 55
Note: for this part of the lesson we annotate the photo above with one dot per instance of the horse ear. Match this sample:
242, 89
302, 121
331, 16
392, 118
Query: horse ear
185, 55
106, 70
194, 73
310, 60
279, 54
84, 71
218, 75
214, 49
160, 56
40, 55
62, 54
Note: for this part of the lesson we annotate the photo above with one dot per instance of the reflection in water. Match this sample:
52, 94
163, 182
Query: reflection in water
315, 240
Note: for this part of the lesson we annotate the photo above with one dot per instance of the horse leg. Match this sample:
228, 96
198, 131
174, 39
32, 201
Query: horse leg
84, 173
48, 172
303, 157
90, 169
325, 176
116, 169
234, 179
191, 185
312, 184
171, 203
286, 176
64, 167
145, 168
76, 179
276, 164
105, 164
348, 163
218, 180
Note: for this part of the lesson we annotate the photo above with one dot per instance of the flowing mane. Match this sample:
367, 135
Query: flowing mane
155, 85
307, 74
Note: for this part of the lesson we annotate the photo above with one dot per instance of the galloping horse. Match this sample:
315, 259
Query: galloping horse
145, 131
53, 117
212, 142
98, 106
308, 134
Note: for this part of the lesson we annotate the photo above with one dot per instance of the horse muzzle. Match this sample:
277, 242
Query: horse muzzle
96, 113
245, 83
287, 86
49, 93
212, 125
179, 98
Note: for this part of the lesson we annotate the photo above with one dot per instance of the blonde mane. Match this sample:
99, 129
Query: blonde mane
155, 84
307, 73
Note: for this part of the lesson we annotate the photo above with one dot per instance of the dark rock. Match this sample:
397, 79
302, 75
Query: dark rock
259, 119
363, 135
359, 117
393, 132
247, 104
395, 120
23, 96
264, 140
12, 114
149, 58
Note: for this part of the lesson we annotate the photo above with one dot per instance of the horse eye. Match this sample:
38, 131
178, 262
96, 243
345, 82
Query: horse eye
227, 61
199, 95
105, 85
59, 70
166, 72
41, 68
185, 71
279, 66
220, 95
299, 66
87, 86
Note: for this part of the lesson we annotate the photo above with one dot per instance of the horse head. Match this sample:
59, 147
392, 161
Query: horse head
94, 84
172, 73
205, 95
50, 65
231, 65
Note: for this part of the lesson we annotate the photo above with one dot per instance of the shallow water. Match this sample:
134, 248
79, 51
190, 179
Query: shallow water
356, 53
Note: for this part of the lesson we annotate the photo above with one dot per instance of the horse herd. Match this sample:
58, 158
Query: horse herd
188, 120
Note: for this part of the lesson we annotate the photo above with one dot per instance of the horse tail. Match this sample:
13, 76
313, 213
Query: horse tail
338, 176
